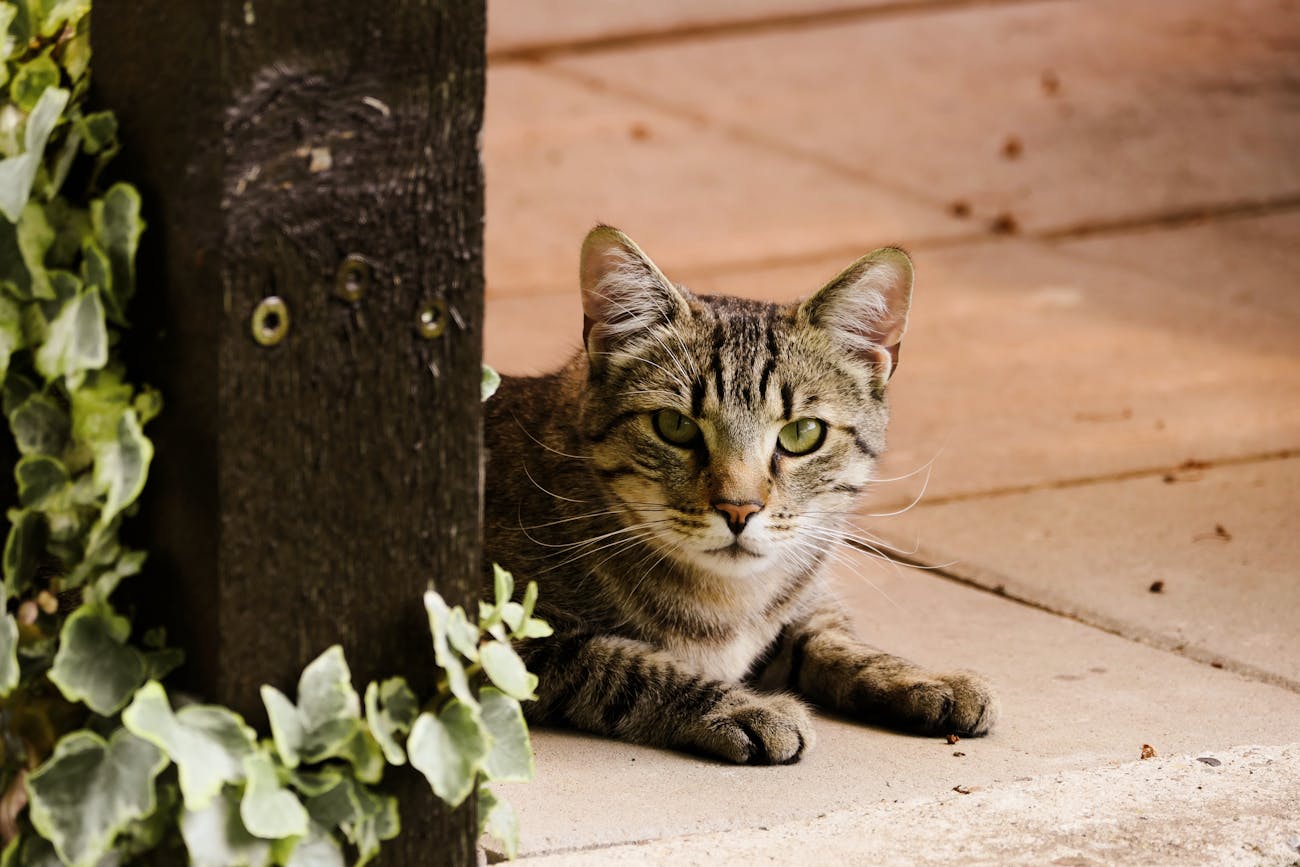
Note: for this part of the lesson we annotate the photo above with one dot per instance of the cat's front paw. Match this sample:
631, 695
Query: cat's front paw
960, 703
751, 729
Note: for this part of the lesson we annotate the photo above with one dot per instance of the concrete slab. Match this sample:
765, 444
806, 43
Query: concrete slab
1055, 114
1221, 542
1024, 366
559, 157
1242, 261
1073, 697
1136, 814
520, 25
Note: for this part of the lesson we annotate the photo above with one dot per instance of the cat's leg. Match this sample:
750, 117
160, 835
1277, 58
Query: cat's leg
633, 691
819, 658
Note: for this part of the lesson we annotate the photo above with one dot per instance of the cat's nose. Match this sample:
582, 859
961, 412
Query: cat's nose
737, 514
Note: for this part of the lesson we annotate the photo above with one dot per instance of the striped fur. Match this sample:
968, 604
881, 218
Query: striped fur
672, 628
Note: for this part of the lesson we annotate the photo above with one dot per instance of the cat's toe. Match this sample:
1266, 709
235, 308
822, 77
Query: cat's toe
771, 730
974, 708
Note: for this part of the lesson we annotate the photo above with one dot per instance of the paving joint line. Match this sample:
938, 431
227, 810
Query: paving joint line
1191, 215
1190, 465
546, 50
995, 584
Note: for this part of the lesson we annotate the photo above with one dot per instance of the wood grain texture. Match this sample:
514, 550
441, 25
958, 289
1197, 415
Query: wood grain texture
305, 494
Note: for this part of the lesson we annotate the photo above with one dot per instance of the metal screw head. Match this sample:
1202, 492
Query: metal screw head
431, 321
352, 279
270, 320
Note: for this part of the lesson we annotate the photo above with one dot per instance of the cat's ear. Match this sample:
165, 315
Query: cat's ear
865, 306
623, 292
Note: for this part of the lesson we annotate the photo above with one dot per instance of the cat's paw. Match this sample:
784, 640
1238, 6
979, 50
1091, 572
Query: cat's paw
751, 729
960, 703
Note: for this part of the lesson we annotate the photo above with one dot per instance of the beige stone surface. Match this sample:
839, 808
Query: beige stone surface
1158, 106
1073, 697
515, 25
1177, 810
1027, 366
1223, 542
560, 157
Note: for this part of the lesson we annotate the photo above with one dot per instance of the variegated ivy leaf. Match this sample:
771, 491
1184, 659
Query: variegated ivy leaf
90, 790
391, 709
268, 809
335, 799
11, 332
117, 224
122, 465
326, 721
499, 820
28, 532
207, 743
317, 849
491, 382
40, 426
58, 13
443, 653
31, 80
18, 172
506, 670
40, 478
449, 749
75, 341
215, 836
510, 758
9, 670
94, 663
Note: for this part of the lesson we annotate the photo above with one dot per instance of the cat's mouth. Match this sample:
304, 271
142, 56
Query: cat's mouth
734, 551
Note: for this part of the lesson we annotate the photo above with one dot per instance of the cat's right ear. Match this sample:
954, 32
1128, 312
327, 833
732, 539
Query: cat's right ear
623, 292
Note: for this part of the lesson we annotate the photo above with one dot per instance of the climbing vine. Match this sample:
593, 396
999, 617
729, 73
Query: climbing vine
98, 764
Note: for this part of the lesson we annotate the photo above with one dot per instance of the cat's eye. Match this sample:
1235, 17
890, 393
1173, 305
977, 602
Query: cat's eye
801, 436
675, 428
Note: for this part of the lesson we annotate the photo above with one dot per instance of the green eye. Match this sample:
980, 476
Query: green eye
676, 428
801, 436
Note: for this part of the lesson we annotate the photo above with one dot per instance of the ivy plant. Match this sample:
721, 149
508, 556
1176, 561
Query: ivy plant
99, 765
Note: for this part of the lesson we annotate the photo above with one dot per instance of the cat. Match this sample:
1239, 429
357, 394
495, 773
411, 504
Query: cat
675, 489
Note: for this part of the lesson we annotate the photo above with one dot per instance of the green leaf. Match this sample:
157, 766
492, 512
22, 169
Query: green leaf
9, 670
59, 13
18, 172
40, 426
506, 670
122, 465
207, 743
11, 332
317, 849
391, 708
448, 660
32, 80
491, 382
511, 755
94, 664
268, 809
99, 130
499, 820
449, 750
462, 635
215, 836
76, 341
90, 790
337, 800
504, 584
286, 728
117, 223
28, 531
40, 478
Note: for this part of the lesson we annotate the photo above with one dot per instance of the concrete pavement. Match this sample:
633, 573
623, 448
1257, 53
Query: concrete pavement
1099, 391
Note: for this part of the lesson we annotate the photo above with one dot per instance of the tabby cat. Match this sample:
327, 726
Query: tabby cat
675, 490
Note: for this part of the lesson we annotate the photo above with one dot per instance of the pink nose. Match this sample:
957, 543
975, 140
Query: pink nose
737, 514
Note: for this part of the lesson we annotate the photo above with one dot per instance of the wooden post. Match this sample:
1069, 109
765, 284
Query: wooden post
310, 303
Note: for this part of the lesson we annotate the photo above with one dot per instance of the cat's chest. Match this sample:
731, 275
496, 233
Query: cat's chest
728, 659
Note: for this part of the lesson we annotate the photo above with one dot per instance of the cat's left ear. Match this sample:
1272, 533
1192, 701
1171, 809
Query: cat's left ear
865, 306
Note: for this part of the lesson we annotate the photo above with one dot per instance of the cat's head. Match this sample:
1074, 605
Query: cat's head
736, 432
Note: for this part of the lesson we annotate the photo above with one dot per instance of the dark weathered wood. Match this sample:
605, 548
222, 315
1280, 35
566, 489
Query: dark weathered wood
305, 493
